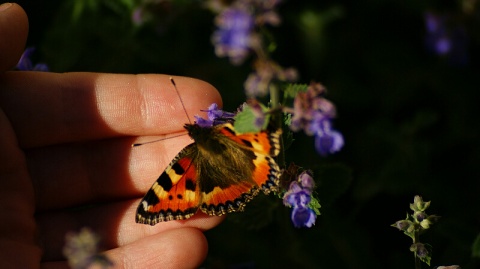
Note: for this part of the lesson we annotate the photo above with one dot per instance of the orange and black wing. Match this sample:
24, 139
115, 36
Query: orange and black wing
174, 195
237, 173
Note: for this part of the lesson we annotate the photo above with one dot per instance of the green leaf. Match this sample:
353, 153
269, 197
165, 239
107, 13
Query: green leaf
292, 89
287, 133
287, 119
315, 205
245, 120
428, 257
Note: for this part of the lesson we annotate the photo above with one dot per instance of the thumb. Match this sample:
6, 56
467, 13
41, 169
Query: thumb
13, 34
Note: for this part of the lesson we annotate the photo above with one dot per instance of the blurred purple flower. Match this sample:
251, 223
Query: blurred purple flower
25, 63
328, 141
138, 16
258, 82
313, 114
445, 38
258, 113
81, 250
232, 38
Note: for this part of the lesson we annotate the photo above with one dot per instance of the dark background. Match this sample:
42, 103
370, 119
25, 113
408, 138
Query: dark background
408, 115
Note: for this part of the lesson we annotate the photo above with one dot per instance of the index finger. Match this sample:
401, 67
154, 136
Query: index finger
52, 108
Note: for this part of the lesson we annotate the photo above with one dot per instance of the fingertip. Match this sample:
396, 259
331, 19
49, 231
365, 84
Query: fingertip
196, 94
176, 248
13, 33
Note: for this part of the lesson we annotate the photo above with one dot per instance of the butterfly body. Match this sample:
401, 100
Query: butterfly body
219, 173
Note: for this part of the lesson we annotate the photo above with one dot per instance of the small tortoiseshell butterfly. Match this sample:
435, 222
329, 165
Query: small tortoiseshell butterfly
219, 173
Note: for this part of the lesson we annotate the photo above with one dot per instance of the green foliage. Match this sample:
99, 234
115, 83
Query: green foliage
291, 90
245, 121
476, 247
416, 224
315, 205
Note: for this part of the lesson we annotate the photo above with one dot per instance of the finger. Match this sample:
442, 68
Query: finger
49, 108
176, 248
17, 228
70, 175
179, 248
115, 223
13, 33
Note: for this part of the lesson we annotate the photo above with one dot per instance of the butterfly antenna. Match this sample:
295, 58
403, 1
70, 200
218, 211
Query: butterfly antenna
149, 142
181, 100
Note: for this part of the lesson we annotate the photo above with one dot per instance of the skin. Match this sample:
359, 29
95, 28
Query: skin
66, 143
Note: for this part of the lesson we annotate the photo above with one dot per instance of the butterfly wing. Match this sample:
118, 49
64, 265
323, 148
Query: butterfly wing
265, 146
240, 165
174, 195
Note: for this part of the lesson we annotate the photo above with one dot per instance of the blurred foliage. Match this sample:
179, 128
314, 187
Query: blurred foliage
410, 118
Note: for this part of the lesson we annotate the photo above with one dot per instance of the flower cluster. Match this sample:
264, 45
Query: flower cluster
238, 35
313, 114
236, 23
414, 225
233, 37
299, 197
25, 63
81, 250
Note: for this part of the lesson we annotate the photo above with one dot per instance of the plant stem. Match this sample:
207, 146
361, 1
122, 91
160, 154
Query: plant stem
278, 118
418, 262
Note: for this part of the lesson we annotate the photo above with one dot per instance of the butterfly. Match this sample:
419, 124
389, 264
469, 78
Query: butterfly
218, 173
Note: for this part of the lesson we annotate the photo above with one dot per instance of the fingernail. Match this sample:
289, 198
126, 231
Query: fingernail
5, 6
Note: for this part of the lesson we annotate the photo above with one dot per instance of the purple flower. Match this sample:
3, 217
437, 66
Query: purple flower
402, 225
214, 113
313, 114
233, 36
328, 141
310, 107
303, 217
25, 64
420, 250
204, 123
299, 196
306, 180
215, 116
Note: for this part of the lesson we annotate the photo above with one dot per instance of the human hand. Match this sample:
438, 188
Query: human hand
66, 143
